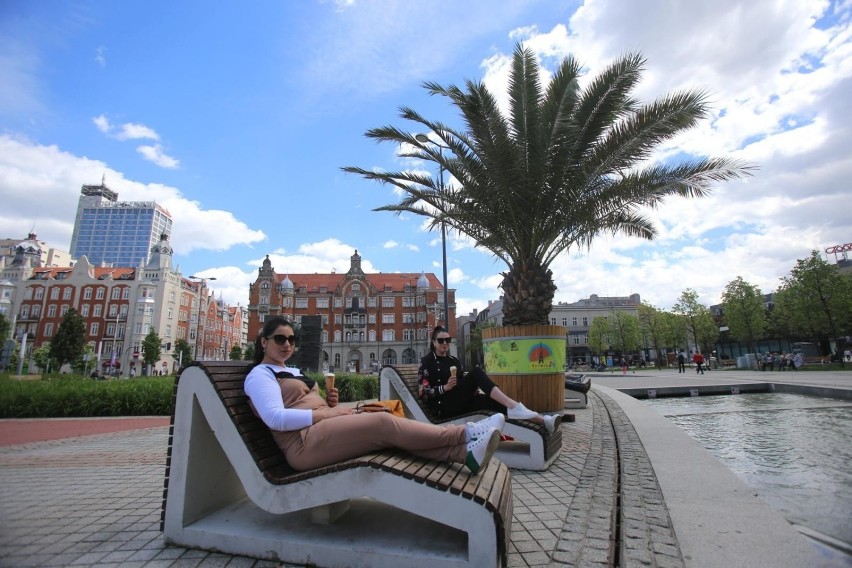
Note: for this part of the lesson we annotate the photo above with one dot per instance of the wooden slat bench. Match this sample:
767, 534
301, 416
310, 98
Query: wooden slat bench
532, 449
229, 489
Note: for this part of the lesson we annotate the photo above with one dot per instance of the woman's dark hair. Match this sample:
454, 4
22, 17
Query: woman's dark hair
438, 329
269, 328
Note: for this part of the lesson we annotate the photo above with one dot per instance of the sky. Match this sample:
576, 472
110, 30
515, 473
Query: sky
237, 118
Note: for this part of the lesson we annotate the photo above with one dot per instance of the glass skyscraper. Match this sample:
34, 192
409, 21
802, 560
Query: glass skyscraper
117, 233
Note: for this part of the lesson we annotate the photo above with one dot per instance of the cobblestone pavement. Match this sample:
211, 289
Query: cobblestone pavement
95, 501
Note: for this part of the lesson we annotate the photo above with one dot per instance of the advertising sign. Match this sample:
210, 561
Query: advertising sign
517, 356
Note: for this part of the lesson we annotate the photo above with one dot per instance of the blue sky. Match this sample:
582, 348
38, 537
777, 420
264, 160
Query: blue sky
238, 117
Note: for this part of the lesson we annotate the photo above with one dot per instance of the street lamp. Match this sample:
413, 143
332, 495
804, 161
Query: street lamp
426, 140
203, 280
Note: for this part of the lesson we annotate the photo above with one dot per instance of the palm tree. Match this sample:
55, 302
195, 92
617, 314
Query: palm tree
564, 166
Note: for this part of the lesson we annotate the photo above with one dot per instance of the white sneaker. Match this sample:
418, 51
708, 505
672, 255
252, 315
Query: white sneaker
479, 451
551, 422
521, 412
479, 429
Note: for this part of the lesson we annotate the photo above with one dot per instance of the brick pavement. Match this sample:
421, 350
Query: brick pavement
95, 501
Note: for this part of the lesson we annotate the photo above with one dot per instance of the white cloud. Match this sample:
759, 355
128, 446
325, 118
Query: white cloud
390, 244
100, 56
413, 247
131, 131
156, 155
43, 183
102, 123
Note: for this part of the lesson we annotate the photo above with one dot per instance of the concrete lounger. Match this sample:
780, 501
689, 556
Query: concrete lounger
229, 489
533, 448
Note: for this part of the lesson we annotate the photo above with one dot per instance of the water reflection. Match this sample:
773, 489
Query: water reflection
795, 450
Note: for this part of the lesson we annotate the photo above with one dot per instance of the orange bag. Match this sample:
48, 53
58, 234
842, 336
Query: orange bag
391, 406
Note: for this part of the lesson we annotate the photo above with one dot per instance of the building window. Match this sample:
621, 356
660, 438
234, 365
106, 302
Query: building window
301, 303
66, 294
574, 321
113, 310
388, 318
552, 321
371, 302
348, 302
54, 293
87, 294
337, 336
63, 310
96, 312
288, 302
36, 311
388, 301
84, 310
371, 319
25, 312
407, 318
564, 322
577, 339
125, 293
408, 301
322, 303
116, 292
28, 294
387, 335
171, 313
338, 319
338, 302
372, 334
407, 335
94, 328
356, 287
99, 295
324, 336
48, 329
585, 321
51, 311
337, 359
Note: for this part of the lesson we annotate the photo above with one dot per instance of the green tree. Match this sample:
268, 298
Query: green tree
474, 346
151, 349
41, 356
652, 325
623, 330
249, 353
816, 300
236, 353
565, 165
182, 352
744, 312
67, 345
598, 340
5, 326
675, 331
700, 324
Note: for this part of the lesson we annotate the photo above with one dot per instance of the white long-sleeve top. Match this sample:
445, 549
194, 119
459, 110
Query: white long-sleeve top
263, 389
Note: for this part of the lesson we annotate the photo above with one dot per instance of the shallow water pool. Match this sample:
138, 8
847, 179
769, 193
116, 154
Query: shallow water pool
795, 450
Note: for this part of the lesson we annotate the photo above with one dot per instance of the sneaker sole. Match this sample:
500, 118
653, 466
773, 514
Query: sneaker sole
493, 442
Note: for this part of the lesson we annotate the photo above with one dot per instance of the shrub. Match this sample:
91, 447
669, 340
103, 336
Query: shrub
350, 386
71, 396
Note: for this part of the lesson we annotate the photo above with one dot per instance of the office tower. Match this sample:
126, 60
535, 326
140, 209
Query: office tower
118, 233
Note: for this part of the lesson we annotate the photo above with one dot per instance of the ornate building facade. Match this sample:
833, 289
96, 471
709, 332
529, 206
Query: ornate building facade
368, 320
119, 307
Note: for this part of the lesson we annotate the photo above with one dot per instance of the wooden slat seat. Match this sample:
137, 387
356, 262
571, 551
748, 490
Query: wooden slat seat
229, 488
532, 449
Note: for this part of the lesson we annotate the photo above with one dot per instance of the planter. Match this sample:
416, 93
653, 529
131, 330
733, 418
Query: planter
527, 362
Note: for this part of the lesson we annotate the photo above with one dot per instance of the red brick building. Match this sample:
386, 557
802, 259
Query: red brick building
368, 320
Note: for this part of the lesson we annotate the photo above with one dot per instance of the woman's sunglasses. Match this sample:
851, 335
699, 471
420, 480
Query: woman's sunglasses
443, 340
282, 339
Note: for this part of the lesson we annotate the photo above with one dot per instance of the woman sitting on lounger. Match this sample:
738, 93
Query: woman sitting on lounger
314, 432
449, 392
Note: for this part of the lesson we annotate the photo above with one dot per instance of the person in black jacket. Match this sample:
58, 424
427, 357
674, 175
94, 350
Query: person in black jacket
449, 391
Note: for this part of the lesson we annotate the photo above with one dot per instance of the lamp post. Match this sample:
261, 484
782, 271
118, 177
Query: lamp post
203, 281
426, 140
